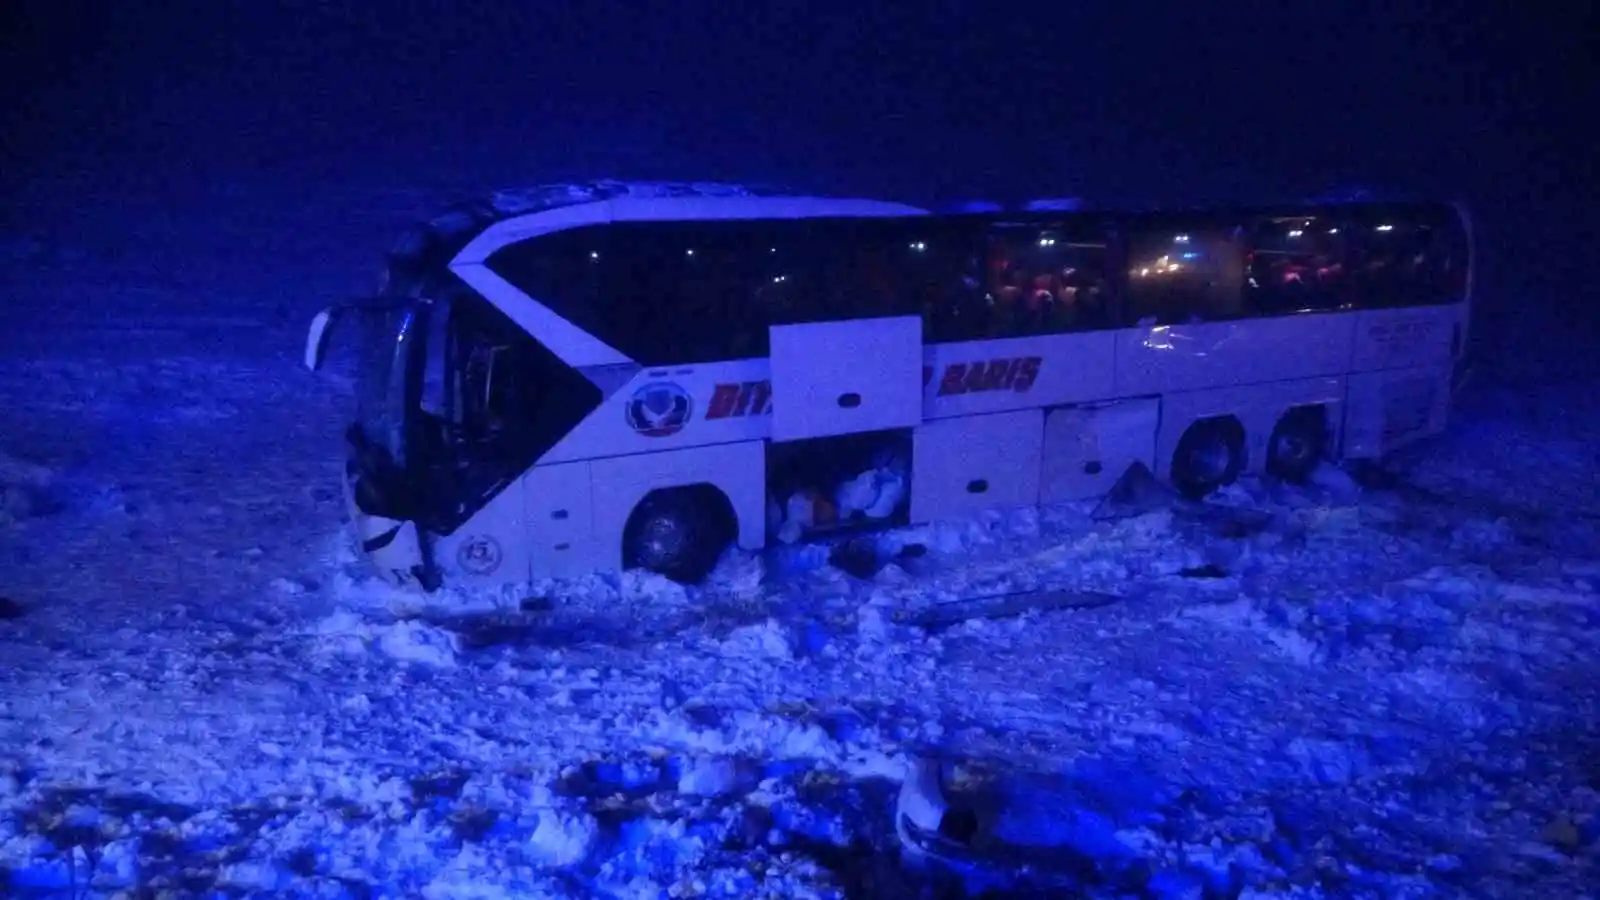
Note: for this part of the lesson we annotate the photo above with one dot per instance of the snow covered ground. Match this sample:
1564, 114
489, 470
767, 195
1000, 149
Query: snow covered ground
1387, 690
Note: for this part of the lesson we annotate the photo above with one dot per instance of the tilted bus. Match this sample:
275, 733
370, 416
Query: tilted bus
579, 378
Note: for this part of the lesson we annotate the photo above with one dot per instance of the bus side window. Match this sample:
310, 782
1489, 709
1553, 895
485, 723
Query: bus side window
1048, 280
1295, 264
794, 281
724, 264
943, 277
1407, 257
1179, 275
687, 292
953, 304
891, 268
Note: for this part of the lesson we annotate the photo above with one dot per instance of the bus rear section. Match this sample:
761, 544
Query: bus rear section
1410, 340
616, 392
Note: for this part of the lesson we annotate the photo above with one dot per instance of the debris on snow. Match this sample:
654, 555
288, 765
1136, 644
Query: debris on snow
1136, 493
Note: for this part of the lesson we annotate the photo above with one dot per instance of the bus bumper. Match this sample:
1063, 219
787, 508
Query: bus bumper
394, 547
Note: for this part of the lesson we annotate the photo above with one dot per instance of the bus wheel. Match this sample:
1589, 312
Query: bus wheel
1298, 443
1210, 454
679, 533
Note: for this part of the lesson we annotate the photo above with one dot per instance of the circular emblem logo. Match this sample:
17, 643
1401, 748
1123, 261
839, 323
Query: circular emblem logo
659, 409
479, 555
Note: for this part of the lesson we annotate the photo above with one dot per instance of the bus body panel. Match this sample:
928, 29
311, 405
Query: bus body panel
974, 377
734, 400
1088, 448
673, 408
1157, 359
1406, 337
560, 516
1391, 409
1258, 407
962, 466
493, 546
848, 377
737, 470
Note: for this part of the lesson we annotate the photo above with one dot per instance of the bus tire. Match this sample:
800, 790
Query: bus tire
1209, 455
1298, 443
678, 532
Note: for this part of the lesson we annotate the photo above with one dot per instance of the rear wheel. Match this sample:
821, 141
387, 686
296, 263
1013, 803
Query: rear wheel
1298, 443
679, 533
1209, 455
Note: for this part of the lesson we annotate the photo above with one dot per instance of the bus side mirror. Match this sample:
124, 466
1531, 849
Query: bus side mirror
317, 338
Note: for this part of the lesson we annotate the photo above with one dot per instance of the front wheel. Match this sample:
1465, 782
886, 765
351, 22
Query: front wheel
676, 533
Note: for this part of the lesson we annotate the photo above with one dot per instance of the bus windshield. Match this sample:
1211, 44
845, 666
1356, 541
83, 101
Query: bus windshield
381, 333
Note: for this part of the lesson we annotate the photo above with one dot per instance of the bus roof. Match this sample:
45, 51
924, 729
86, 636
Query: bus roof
470, 231
551, 208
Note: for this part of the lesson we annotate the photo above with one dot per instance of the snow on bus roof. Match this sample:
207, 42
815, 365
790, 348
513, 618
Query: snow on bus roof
531, 212
1042, 204
536, 198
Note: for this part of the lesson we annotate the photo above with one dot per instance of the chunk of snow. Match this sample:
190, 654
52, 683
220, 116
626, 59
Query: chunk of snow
1335, 480
256, 875
1331, 763
764, 640
407, 640
562, 838
709, 777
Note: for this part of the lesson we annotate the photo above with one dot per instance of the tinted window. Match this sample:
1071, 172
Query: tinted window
1356, 256
1296, 264
693, 292
1406, 256
1047, 279
1185, 272
562, 272
867, 268
937, 273
666, 293
658, 292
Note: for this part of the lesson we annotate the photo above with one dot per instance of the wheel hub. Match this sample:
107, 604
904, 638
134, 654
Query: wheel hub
1210, 460
1292, 448
662, 540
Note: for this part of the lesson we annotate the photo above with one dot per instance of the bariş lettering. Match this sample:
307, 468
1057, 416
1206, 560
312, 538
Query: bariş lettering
736, 400
982, 376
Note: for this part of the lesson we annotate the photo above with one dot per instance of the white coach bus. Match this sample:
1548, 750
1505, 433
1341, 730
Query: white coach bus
618, 375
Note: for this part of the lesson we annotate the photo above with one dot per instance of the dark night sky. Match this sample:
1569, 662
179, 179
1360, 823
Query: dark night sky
1122, 102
